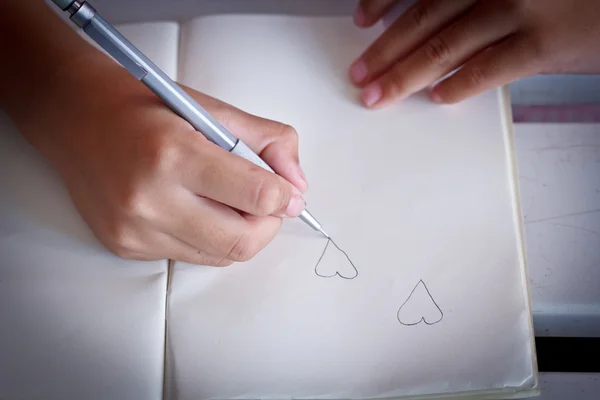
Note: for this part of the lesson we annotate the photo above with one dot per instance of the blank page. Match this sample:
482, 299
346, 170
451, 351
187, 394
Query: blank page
76, 321
422, 291
159, 41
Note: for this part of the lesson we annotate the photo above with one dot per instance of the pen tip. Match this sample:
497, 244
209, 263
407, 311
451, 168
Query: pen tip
324, 233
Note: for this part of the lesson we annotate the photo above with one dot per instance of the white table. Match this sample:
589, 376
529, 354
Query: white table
559, 175
575, 386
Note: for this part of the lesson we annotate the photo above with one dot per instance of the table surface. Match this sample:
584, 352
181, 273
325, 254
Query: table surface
559, 177
569, 386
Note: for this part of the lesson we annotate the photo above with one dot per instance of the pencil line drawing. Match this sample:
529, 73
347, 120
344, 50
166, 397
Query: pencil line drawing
420, 307
345, 270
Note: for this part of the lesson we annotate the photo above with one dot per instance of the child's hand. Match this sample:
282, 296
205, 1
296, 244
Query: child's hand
148, 184
495, 41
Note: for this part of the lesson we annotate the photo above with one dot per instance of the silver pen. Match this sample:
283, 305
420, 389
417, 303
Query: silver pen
115, 44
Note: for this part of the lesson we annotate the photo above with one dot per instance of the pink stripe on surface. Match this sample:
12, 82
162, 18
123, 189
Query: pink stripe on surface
577, 113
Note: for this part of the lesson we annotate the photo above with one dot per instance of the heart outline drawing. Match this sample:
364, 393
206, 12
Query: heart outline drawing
336, 272
423, 315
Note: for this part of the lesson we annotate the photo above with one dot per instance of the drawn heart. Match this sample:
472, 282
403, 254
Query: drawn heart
334, 261
420, 307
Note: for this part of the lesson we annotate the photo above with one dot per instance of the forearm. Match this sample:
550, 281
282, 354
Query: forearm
35, 45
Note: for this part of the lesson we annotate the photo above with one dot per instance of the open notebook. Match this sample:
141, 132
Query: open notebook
422, 294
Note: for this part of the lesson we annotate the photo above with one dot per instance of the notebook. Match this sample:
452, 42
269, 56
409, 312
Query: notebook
421, 294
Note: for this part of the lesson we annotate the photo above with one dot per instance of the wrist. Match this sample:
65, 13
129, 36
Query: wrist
37, 45
67, 94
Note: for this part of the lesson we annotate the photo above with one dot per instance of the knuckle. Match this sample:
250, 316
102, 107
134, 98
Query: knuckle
538, 48
134, 203
419, 14
270, 197
396, 83
289, 133
437, 51
164, 154
278, 132
242, 250
224, 263
211, 261
476, 76
123, 252
121, 241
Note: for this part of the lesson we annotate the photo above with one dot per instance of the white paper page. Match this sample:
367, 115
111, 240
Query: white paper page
159, 41
419, 196
76, 321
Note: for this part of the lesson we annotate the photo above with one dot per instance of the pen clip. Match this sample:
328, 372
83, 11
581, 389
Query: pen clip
85, 16
106, 42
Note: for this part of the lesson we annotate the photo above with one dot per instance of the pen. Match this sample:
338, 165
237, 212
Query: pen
114, 43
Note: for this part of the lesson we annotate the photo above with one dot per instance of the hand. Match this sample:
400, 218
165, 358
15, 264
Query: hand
150, 186
493, 42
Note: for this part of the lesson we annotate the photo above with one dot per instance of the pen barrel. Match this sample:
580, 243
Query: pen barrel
126, 54
186, 107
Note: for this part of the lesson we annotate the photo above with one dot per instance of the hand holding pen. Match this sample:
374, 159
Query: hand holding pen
146, 182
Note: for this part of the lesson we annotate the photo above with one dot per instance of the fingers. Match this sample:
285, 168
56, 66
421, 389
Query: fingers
411, 29
149, 244
217, 231
189, 255
499, 65
442, 53
181, 251
277, 144
370, 11
274, 142
188, 228
237, 183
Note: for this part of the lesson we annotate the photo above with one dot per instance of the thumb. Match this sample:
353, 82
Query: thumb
277, 145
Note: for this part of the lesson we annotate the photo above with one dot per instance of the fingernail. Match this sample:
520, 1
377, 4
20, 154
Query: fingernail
295, 207
358, 71
371, 94
359, 16
435, 96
